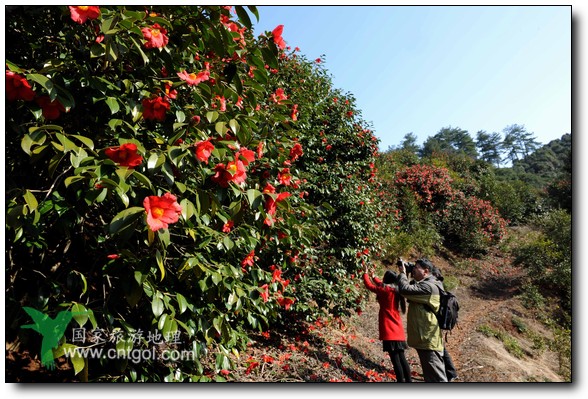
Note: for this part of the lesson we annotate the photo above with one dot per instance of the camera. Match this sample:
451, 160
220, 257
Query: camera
408, 266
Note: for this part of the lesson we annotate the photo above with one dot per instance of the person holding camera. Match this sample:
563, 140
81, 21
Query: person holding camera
423, 330
391, 330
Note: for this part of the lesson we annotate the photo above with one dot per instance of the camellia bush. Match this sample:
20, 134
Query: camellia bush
172, 182
432, 209
339, 171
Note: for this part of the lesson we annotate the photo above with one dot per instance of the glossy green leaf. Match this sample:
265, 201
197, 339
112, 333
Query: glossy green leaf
243, 16
220, 128
112, 103
42, 80
30, 200
211, 116
125, 219
254, 197
234, 125
86, 140
80, 314
162, 320
159, 260
157, 306
182, 303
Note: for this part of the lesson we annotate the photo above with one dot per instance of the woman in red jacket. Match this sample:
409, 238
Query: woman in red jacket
390, 324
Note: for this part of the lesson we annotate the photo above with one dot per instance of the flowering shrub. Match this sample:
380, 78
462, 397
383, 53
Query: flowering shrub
167, 178
432, 205
336, 152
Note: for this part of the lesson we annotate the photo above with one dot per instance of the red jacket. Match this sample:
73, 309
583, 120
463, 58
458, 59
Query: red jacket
389, 321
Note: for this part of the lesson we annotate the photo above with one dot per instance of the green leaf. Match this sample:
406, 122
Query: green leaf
160, 264
114, 123
155, 160
87, 141
220, 128
243, 17
211, 116
269, 57
68, 145
162, 320
254, 11
228, 243
144, 180
72, 179
157, 306
234, 125
168, 172
169, 329
125, 219
254, 197
112, 103
97, 50
42, 80
183, 304
36, 137
188, 209
74, 355
13, 67
80, 314
143, 55
54, 162
31, 201
180, 117
164, 237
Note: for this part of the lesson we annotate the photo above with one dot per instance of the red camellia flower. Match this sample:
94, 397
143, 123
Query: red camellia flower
155, 108
248, 261
260, 149
125, 155
271, 204
170, 92
51, 109
247, 156
284, 177
234, 172
228, 226
295, 152
265, 293
278, 96
285, 302
161, 211
194, 78
294, 114
18, 88
222, 103
277, 36
204, 150
155, 36
80, 14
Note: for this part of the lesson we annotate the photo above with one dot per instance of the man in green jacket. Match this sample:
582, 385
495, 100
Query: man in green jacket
423, 332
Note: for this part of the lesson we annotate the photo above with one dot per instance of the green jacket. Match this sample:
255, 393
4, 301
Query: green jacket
422, 328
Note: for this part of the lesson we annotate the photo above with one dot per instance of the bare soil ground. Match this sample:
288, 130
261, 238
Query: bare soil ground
348, 350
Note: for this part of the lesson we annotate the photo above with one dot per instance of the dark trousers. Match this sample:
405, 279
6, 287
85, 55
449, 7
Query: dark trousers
433, 365
401, 366
450, 370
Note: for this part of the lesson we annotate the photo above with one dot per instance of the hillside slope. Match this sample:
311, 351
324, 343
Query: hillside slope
497, 340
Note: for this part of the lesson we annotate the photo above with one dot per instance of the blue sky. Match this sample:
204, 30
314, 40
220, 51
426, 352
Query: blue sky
421, 68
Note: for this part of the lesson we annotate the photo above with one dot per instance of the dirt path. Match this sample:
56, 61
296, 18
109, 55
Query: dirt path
489, 301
